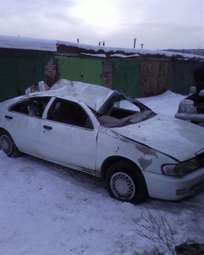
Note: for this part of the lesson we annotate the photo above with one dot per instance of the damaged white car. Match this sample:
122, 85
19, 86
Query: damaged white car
98, 131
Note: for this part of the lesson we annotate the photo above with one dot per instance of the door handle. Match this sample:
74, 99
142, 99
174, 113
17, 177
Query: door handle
8, 117
47, 127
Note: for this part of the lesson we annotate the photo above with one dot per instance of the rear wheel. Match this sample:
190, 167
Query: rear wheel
8, 146
125, 182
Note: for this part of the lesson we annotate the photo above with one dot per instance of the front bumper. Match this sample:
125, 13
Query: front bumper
171, 188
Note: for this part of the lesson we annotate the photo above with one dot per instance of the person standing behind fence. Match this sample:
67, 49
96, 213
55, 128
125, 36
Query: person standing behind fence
51, 76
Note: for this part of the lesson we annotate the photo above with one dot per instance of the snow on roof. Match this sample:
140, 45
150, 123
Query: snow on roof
17, 42
94, 55
65, 47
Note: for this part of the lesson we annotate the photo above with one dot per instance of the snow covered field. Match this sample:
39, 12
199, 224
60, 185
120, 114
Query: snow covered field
49, 210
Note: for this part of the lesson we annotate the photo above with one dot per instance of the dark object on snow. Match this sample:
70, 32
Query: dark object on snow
192, 107
198, 76
198, 100
190, 249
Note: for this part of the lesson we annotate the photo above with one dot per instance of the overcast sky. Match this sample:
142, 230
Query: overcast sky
156, 23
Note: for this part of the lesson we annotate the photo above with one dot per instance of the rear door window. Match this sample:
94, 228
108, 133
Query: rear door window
32, 107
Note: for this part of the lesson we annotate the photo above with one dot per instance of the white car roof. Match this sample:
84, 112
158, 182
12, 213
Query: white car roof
92, 95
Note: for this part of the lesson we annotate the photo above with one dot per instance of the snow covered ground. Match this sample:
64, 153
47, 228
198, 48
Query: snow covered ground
46, 209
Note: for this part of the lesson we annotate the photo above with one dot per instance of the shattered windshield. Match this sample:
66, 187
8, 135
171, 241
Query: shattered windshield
120, 111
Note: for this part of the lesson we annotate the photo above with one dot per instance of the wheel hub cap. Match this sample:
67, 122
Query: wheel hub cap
122, 186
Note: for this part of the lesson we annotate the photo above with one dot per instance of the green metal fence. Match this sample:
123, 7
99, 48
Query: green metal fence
136, 77
80, 69
19, 70
126, 76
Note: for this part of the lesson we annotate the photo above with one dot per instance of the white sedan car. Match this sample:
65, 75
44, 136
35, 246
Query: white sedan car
98, 131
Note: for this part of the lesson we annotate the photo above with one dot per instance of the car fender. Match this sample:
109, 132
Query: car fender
111, 144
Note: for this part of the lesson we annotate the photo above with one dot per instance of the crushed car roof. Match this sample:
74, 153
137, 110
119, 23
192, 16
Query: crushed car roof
92, 95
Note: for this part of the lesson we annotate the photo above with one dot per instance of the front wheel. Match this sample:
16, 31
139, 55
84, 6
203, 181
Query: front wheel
125, 182
8, 146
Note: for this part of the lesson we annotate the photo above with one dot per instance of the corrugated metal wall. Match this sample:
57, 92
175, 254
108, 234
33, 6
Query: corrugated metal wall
140, 77
80, 69
19, 70
154, 77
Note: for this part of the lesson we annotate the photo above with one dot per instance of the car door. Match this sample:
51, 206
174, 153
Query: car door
23, 122
68, 135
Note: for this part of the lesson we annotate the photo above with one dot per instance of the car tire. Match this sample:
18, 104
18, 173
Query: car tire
125, 182
8, 146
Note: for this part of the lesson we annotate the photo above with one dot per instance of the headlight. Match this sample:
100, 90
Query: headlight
170, 170
181, 169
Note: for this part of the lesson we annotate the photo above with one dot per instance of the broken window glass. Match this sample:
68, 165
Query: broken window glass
33, 107
68, 112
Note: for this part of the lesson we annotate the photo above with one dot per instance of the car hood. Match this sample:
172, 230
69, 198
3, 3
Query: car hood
179, 139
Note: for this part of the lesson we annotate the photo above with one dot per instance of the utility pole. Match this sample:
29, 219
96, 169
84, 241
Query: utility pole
134, 44
77, 40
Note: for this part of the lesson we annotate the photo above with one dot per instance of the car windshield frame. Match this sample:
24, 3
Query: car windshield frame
110, 122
